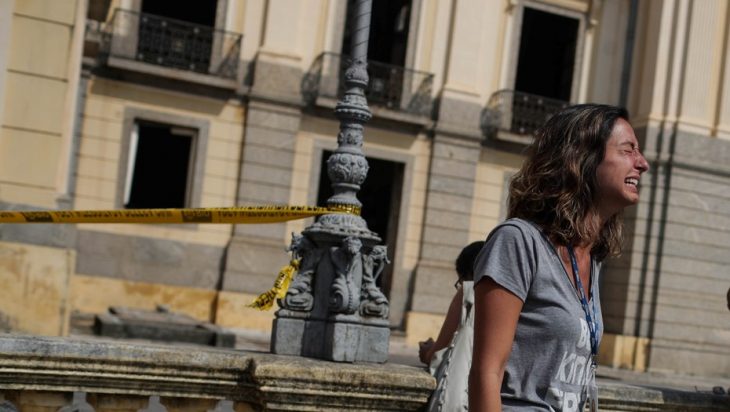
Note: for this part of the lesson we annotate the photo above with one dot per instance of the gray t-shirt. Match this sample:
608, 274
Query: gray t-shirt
549, 365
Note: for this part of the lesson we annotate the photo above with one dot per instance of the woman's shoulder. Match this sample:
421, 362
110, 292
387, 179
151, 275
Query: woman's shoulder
516, 227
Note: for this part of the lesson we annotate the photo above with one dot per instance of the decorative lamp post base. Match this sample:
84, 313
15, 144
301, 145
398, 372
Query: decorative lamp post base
332, 339
333, 309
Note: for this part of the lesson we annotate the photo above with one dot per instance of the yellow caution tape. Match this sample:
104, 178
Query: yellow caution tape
281, 285
252, 214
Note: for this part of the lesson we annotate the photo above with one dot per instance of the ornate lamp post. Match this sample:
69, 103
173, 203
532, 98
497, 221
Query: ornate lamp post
333, 309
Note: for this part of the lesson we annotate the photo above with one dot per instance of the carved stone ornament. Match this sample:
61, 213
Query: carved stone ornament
300, 297
342, 225
374, 303
357, 74
347, 262
353, 113
350, 136
347, 168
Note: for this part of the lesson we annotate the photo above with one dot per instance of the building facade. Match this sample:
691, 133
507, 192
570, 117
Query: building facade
110, 104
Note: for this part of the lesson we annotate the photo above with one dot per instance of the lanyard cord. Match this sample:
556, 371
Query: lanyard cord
592, 327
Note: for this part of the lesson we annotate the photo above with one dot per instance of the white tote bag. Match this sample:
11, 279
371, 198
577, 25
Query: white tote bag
450, 365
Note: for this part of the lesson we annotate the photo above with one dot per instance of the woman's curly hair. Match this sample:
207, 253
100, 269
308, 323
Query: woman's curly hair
556, 186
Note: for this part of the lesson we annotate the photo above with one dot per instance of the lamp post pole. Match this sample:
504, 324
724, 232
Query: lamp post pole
333, 309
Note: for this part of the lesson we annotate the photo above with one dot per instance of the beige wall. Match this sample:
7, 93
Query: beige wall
101, 145
490, 191
35, 283
680, 71
85, 296
6, 19
608, 52
39, 67
36, 100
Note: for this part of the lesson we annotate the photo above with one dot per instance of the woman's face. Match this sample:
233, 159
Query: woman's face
619, 173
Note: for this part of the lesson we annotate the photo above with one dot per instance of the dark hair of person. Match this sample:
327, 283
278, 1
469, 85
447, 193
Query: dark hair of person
465, 260
556, 187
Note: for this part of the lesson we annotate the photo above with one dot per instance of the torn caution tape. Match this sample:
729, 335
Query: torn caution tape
240, 215
281, 285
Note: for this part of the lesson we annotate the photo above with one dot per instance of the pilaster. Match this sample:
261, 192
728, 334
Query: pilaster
265, 179
447, 218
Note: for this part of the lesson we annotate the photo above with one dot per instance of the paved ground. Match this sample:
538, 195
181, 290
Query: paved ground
401, 353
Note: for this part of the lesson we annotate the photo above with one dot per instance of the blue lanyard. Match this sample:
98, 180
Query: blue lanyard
592, 326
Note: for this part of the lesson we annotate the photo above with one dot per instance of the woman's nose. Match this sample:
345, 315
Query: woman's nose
641, 163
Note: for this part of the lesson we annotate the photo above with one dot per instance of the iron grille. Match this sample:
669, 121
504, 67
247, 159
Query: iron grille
518, 112
172, 43
393, 87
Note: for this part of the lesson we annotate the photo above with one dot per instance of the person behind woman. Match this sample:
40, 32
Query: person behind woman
465, 271
449, 357
537, 308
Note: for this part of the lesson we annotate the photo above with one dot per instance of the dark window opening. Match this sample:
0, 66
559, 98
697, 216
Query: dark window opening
547, 54
389, 24
160, 167
177, 34
381, 198
200, 12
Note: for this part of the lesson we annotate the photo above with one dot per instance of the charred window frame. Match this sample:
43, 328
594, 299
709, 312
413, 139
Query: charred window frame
558, 12
166, 126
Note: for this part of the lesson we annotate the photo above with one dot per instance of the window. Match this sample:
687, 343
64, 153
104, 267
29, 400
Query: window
547, 54
159, 166
199, 12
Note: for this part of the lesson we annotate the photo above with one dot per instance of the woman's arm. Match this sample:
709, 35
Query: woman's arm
496, 312
451, 323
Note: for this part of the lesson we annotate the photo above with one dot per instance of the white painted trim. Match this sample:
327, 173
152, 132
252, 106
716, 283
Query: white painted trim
131, 159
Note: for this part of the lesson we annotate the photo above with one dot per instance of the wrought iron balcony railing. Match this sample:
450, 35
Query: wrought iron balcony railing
392, 87
517, 113
171, 43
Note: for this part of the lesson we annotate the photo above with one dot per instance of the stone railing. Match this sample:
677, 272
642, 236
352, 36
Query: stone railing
56, 374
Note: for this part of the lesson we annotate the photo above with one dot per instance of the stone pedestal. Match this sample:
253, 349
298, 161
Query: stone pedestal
350, 342
331, 339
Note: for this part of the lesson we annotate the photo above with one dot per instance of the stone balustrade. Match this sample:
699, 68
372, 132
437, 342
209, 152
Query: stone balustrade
39, 374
